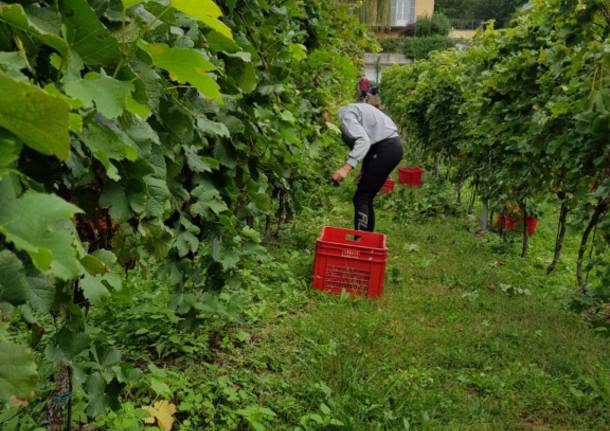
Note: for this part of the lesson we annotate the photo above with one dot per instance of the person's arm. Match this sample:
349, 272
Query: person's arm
341, 173
362, 142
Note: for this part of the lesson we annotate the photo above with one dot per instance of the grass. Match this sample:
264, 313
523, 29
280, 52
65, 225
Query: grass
468, 336
465, 338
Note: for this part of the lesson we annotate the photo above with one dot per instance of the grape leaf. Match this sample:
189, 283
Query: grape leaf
247, 78
93, 289
87, 35
207, 198
212, 128
13, 284
39, 119
217, 42
42, 293
114, 197
228, 257
98, 401
15, 16
186, 239
159, 196
186, 66
11, 63
198, 163
40, 225
18, 375
10, 148
205, 11
109, 95
131, 3
108, 144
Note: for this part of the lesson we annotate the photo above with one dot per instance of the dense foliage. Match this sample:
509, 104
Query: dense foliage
153, 136
477, 11
523, 114
419, 48
437, 24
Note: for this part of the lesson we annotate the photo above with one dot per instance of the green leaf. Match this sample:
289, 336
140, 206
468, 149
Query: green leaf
217, 42
199, 163
298, 51
13, 284
186, 66
42, 293
212, 128
205, 11
34, 116
40, 225
87, 35
247, 79
207, 198
11, 64
131, 3
72, 103
103, 273
137, 108
225, 154
109, 95
18, 375
159, 196
186, 240
228, 257
160, 388
114, 197
108, 144
97, 400
157, 237
76, 122
15, 16
10, 149
93, 289
112, 276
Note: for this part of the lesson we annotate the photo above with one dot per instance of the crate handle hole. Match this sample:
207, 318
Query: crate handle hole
352, 237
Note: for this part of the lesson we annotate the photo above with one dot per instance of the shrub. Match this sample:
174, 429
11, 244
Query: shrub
418, 48
393, 44
437, 24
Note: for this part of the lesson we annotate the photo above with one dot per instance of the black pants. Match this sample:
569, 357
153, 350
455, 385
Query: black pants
380, 161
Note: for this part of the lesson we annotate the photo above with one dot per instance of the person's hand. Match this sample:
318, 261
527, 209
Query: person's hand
341, 173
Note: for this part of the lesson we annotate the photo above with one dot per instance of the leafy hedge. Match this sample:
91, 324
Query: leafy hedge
523, 114
419, 48
148, 134
437, 24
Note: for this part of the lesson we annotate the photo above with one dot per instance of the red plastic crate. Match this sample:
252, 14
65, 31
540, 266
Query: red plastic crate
509, 223
532, 224
346, 263
388, 186
410, 176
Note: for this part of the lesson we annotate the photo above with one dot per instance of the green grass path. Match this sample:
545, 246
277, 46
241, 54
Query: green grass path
467, 337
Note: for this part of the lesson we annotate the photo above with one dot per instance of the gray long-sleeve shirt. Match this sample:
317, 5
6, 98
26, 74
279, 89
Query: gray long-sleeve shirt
364, 126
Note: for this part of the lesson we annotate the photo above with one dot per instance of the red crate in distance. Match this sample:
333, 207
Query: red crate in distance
350, 260
532, 225
388, 186
410, 176
509, 223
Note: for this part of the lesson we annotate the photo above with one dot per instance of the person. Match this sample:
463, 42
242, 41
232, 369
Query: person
373, 139
364, 86
373, 100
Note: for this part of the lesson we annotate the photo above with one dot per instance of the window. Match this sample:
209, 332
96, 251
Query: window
403, 12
